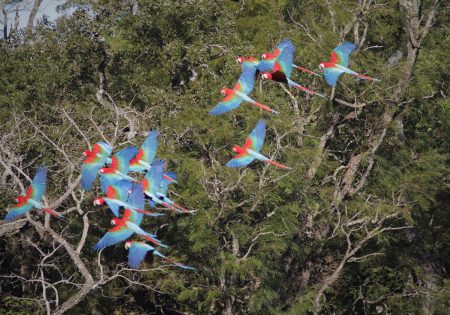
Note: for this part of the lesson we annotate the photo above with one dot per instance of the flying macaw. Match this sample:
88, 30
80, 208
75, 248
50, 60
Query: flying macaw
119, 168
280, 68
252, 147
152, 182
138, 250
338, 64
269, 60
146, 154
94, 160
31, 200
117, 196
239, 93
162, 195
123, 228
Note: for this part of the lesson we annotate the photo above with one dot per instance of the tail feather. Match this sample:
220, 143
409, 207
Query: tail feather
362, 76
279, 165
56, 214
307, 71
298, 86
152, 214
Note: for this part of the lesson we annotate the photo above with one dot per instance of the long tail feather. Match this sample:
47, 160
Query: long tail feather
178, 264
152, 214
182, 208
170, 179
298, 86
56, 214
362, 76
266, 108
278, 164
307, 71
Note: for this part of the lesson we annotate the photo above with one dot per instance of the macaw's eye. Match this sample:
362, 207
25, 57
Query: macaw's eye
113, 222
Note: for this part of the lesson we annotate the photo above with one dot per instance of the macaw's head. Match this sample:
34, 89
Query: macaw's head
127, 244
86, 153
101, 171
237, 149
114, 221
19, 199
243, 59
99, 202
224, 91
266, 56
267, 75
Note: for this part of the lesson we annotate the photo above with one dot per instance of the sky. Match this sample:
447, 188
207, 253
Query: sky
47, 7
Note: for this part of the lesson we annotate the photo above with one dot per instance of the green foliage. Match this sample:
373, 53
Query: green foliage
256, 237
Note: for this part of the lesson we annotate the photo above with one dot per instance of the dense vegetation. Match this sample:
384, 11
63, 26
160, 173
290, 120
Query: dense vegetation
360, 226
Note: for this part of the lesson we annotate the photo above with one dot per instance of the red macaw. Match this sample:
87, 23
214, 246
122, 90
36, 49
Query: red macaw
338, 64
239, 93
119, 168
252, 147
31, 200
138, 250
95, 160
282, 66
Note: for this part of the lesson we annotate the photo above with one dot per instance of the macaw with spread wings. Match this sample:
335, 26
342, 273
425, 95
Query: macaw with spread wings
129, 224
251, 149
118, 170
31, 200
279, 70
117, 196
138, 250
94, 161
338, 64
239, 93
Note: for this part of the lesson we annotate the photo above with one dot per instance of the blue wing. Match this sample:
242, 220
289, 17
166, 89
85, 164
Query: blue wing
107, 180
332, 75
18, 211
150, 146
226, 106
39, 183
265, 65
286, 57
114, 207
123, 158
257, 136
137, 253
89, 173
343, 51
247, 79
240, 161
137, 197
113, 237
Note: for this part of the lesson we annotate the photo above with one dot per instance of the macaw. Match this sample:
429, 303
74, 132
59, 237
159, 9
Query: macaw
138, 250
119, 168
152, 183
239, 93
117, 196
248, 61
162, 195
147, 152
123, 228
146, 155
268, 61
31, 200
280, 68
94, 160
251, 149
338, 64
